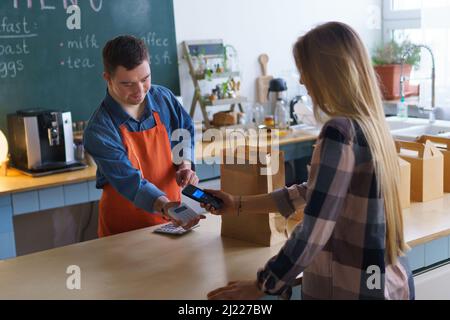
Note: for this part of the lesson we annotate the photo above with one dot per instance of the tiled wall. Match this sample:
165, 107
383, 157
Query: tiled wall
38, 200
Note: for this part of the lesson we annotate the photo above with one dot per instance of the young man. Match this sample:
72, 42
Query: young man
129, 138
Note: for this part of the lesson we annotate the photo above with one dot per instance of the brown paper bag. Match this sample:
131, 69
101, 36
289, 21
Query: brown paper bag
427, 169
244, 178
443, 144
405, 183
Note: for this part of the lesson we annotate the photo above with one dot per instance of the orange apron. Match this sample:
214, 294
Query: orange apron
149, 152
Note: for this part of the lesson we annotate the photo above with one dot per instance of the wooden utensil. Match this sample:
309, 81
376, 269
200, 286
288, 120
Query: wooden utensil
262, 82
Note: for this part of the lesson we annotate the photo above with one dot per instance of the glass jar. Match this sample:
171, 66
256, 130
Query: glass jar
258, 114
282, 118
269, 121
248, 118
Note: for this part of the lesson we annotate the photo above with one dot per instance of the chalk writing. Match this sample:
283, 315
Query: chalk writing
151, 39
16, 27
13, 45
85, 42
95, 5
10, 68
88, 41
77, 63
157, 59
14, 49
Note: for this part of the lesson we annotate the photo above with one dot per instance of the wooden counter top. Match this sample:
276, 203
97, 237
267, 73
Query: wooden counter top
427, 221
136, 265
144, 265
15, 181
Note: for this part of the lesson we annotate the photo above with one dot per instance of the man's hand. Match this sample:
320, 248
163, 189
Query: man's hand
162, 202
185, 175
163, 205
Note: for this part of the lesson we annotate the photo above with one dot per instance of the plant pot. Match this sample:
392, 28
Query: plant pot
389, 80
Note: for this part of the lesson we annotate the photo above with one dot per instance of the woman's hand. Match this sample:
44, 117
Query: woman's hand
237, 290
229, 206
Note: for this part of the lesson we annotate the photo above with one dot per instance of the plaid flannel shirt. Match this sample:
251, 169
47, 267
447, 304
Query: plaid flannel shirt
340, 244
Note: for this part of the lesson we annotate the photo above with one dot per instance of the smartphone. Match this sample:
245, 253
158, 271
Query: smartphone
201, 196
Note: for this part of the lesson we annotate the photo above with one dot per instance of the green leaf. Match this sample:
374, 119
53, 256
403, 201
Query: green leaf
393, 53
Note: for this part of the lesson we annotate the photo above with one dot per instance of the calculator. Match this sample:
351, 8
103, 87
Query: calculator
182, 213
170, 228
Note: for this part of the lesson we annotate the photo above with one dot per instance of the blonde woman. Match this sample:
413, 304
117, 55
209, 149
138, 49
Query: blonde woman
350, 244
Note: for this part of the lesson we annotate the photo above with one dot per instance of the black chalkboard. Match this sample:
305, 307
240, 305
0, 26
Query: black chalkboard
47, 62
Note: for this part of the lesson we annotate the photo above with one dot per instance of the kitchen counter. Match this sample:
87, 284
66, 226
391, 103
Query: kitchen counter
136, 265
144, 265
427, 221
15, 181
23, 195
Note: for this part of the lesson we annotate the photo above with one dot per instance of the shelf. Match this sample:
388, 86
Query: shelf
218, 75
210, 48
223, 102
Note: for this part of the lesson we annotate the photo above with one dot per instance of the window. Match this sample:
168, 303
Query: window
423, 22
401, 5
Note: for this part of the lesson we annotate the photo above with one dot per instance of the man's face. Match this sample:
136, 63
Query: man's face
129, 87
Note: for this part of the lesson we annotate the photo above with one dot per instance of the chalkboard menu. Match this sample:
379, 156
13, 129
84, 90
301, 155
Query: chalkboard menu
50, 50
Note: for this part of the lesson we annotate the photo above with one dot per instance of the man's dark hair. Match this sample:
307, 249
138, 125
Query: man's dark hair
125, 51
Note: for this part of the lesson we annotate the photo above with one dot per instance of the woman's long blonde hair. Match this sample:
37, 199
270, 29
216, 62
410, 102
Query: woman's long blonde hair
336, 69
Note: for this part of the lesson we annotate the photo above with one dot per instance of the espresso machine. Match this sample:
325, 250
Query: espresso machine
41, 142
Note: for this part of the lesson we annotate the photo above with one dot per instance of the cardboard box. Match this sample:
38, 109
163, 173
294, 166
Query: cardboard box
405, 183
443, 144
243, 176
427, 169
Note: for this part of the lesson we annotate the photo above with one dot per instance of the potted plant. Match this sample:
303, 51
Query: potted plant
387, 61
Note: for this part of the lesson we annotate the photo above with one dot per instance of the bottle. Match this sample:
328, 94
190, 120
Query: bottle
281, 115
402, 108
258, 114
248, 115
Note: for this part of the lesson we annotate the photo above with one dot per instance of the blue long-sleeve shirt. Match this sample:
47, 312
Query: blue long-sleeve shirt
103, 141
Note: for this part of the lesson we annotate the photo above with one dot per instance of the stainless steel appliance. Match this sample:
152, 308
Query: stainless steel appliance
41, 142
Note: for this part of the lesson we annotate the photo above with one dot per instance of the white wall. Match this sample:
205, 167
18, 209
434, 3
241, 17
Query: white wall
266, 26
